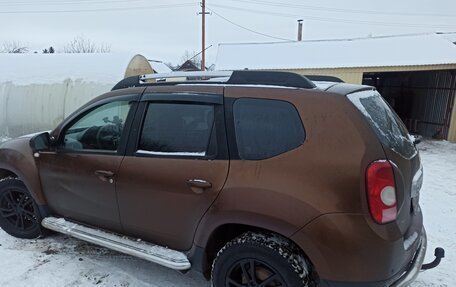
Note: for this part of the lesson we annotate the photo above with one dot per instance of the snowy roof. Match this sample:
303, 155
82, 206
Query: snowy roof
25, 69
403, 50
450, 36
160, 67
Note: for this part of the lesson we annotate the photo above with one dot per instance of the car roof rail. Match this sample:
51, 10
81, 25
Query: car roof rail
195, 75
270, 78
324, 78
243, 77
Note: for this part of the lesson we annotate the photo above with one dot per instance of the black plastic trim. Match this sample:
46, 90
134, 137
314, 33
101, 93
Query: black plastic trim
181, 97
198, 258
127, 83
44, 210
321, 78
230, 129
286, 79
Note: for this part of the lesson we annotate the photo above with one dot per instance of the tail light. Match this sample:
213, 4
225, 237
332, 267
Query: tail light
381, 191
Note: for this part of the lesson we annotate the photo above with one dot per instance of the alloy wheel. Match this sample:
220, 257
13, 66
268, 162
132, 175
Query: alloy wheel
18, 209
253, 273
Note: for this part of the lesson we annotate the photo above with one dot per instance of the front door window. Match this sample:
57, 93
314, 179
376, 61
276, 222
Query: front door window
100, 129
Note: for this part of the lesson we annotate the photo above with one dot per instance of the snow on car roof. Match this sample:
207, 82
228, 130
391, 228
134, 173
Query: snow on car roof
23, 69
401, 50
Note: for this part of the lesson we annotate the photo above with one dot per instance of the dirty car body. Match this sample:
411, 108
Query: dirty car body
195, 166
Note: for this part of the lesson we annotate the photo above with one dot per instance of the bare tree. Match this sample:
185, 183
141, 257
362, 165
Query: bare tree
81, 44
13, 47
196, 58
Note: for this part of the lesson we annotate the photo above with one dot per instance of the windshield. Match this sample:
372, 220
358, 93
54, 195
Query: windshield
385, 122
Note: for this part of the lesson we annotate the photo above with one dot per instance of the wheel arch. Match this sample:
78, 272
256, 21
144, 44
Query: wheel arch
5, 173
202, 257
16, 160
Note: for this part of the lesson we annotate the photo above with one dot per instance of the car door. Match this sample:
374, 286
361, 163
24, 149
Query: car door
176, 165
78, 173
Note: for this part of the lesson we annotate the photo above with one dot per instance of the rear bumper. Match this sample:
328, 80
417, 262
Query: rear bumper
410, 275
402, 279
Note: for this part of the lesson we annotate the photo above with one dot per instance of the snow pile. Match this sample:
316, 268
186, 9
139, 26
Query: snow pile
61, 261
438, 202
3, 138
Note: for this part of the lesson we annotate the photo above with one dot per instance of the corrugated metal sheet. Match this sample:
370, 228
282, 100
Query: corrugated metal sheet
452, 131
424, 100
355, 75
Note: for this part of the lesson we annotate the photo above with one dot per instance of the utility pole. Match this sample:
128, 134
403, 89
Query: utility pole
203, 37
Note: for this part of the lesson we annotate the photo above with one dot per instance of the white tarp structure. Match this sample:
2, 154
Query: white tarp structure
38, 90
402, 50
160, 67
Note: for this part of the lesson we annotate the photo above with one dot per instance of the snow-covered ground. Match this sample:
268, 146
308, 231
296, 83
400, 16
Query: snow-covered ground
61, 261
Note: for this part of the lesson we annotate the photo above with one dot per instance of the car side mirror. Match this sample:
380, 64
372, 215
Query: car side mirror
40, 142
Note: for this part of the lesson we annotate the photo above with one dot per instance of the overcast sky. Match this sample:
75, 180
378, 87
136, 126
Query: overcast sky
164, 30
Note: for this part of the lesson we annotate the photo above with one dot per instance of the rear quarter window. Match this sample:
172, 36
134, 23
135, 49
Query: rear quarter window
386, 124
266, 128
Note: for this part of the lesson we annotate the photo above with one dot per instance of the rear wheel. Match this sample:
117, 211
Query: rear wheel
260, 259
19, 215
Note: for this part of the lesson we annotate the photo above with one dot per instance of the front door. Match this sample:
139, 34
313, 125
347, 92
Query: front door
176, 167
78, 176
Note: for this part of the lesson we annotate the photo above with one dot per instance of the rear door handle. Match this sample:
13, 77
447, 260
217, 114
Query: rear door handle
105, 175
198, 185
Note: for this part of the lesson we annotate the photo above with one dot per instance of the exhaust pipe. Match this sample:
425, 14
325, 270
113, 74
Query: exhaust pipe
439, 253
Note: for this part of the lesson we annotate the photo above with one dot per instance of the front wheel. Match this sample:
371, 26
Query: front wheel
261, 259
19, 215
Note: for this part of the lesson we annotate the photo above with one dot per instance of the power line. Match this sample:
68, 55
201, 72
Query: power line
337, 20
99, 10
67, 2
358, 11
245, 28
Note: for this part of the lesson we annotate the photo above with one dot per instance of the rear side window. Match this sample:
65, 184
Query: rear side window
385, 122
177, 129
266, 128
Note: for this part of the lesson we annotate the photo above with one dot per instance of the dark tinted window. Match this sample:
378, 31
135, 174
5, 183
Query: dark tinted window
177, 129
266, 128
384, 121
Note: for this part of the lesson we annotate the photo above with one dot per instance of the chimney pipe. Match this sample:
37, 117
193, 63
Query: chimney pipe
300, 29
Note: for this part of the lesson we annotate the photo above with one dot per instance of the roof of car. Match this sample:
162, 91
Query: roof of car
254, 79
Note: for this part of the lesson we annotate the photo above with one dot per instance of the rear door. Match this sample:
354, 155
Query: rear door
176, 164
399, 149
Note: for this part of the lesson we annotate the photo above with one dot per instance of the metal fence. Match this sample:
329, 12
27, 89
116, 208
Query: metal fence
424, 100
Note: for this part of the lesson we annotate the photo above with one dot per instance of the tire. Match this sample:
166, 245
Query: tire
274, 261
19, 214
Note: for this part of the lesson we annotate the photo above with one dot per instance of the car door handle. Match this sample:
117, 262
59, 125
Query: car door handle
105, 175
198, 185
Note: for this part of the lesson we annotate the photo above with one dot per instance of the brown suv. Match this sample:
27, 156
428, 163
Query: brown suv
253, 178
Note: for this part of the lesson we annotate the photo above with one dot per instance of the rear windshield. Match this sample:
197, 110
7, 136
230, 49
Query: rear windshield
385, 122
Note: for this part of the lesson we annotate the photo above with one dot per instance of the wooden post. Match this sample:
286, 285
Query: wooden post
203, 46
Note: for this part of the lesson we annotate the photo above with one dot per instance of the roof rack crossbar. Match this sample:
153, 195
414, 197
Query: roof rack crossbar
193, 74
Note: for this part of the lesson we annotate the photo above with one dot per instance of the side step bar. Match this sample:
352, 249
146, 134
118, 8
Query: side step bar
161, 255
